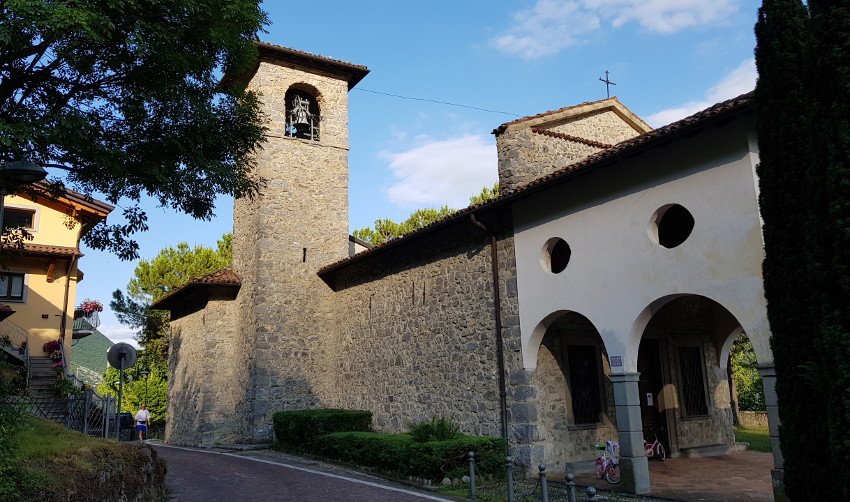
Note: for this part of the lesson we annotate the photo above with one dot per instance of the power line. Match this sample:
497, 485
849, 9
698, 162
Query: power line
435, 101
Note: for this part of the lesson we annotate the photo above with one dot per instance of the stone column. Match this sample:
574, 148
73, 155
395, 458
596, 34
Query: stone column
523, 423
768, 378
634, 467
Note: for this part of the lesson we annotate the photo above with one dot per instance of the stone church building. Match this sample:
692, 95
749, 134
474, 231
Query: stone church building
596, 299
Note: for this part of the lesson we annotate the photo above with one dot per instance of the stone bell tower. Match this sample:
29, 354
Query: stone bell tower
297, 224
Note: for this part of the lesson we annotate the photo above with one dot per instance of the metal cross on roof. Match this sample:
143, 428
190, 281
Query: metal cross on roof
608, 83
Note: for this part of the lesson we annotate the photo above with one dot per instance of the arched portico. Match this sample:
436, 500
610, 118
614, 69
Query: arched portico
672, 379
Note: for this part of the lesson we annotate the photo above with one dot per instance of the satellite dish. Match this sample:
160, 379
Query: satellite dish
121, 351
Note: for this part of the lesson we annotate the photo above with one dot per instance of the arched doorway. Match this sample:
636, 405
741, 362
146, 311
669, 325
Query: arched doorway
683, 384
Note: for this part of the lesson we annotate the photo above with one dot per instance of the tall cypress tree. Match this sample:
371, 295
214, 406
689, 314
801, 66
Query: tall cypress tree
830, 194
783, 132
803, 108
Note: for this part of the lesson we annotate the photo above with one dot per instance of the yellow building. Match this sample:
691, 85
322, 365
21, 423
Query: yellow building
38, 285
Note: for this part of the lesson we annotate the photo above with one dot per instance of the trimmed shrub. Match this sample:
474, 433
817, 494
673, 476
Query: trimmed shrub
296, 430
400, 454
439, 459
387, 453
438, 429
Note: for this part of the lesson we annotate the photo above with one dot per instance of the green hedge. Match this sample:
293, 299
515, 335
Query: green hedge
383, 452
296, 430
438, 459
400, 454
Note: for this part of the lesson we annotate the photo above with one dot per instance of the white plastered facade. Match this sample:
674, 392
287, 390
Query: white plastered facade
618, 275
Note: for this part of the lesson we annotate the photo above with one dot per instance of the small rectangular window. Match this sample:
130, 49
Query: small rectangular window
583, 363
692, 379
11, 286
19, 218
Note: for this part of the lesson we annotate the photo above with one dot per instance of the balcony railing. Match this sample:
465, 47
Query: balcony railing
85, 323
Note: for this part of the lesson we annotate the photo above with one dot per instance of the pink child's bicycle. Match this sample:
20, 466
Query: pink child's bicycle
654, 449
607, 464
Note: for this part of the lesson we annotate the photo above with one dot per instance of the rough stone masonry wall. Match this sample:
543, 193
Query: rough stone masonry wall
207, 378
417, 341
525, 156
604, 126
281, 238
562, 441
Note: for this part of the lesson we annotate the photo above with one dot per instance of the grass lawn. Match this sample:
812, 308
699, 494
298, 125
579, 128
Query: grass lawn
50, 463
758, 437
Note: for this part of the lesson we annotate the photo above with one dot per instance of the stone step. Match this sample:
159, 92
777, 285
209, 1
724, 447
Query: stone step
711, 450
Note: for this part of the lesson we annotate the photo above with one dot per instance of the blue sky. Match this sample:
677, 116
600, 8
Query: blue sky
668, 58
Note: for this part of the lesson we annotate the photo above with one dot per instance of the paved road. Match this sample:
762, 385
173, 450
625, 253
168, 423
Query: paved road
212, 475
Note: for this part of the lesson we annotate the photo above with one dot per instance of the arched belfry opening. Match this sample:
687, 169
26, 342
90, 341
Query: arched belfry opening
303, 116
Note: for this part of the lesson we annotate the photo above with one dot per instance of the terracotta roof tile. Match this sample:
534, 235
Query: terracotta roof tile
43, 249
726, 108
222, 277
568, 137
310, 55
550, 112
353, 73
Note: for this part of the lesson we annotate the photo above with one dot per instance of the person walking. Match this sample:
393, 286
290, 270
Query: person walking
141, 421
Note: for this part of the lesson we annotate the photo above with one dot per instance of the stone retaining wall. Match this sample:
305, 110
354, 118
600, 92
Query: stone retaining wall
752, 418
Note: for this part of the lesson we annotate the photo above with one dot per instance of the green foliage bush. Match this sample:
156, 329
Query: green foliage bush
65, 388
748, 382
295, 430
12, 422
382, 452
54, 464
438, 459
400, 454
438, 429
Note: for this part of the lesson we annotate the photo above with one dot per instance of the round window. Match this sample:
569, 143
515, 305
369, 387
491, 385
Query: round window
672, 225
556, 255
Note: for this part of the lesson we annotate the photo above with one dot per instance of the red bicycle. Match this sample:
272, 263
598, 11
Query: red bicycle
654, 449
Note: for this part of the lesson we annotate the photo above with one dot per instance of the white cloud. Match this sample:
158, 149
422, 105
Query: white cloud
118, 333
742, 79
546, 29
441, 172
553, 25
664, 16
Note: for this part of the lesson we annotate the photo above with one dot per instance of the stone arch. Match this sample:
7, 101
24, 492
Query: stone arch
532, 345
575, 399
303, 111
726, 330
680, 345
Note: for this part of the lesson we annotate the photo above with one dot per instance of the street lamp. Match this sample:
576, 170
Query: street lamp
146, 373
14, 175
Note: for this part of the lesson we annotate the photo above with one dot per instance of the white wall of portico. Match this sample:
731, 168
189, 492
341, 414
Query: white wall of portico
617, 275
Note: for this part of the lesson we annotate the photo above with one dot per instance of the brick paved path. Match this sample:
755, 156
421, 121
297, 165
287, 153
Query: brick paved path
219, 475
737, 477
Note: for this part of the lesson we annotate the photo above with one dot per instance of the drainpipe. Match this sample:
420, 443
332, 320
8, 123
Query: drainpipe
63, 323
497, 317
